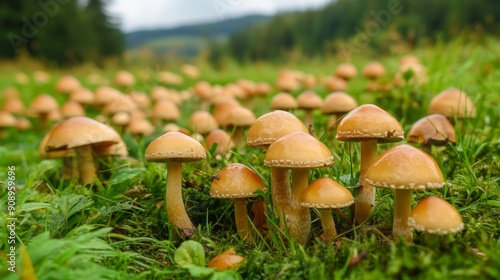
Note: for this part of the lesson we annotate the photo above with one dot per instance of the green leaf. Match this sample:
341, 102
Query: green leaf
125, 174
190, 253
27, 207
200, 271
226, 275
493, 203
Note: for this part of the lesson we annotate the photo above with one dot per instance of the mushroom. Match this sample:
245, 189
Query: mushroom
42, 106
174, 148
308, 101
283, 101
237, 182
222, 139
433, 130
264, 131
202, 122
337, 104
325, 194
404, 168
6, 120
226, 260
346, 71
81, 134
300, 152
452, 103
434, 215
369, 125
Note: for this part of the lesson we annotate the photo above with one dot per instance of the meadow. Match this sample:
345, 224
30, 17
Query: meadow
117, 226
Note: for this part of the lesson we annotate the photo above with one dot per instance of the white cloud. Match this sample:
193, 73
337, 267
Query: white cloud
150, 14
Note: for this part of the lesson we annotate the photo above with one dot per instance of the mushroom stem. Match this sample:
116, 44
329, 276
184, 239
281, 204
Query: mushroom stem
238, 135
88, 169
281, 192
299, 219
365, 194
176, 211
402, 210
240, 215
44, 119
329, 230
308, 119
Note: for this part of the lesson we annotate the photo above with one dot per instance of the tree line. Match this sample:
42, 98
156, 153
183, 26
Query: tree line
67, 32
350, 25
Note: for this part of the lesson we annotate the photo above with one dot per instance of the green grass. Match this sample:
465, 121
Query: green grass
118, 228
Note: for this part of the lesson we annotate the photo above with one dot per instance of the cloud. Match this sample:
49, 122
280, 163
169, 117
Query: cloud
150, 14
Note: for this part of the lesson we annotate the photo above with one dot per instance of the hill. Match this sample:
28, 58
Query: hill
190, 37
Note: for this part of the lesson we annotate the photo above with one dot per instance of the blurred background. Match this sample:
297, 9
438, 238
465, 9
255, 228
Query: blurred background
65, 33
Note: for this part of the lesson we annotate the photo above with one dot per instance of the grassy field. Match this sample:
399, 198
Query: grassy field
117, 228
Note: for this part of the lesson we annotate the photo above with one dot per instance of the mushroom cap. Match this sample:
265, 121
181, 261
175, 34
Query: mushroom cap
226, 260
80, 131
434, 129
13, 105
43, 103
346, 71
7, 119
338, 102
309, 100
124, 78
405, 167
298, 150
140, 126
283, 101
373, 70
335, 83
452, 102
326, 193
103, 95
72, 109
223, 140
239, 116
222, 109
67, 84
271, 126
202, 122
369, 122
174, 146
236, 181
82, 96
436, 216
165, 109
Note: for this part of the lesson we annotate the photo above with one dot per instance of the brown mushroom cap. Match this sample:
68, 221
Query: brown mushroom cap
7, 119
174, 146
373, 70
436, 216
223, 140
140, 126
325, 193
80, 131
239, 116
298, 150
283, 101
67, 84
434, 129
271, 126
226, 260
346, 71
452, 102
43, 103
369, 122
335, 83
236, 181
338, 102
13, 105
405, 167
165, 110
309, 100
124, 78
72, 109
103, 95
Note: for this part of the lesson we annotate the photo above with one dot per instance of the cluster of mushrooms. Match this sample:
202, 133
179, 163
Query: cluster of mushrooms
291, 145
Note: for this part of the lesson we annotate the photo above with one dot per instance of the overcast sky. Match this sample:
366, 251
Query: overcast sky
151, 14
